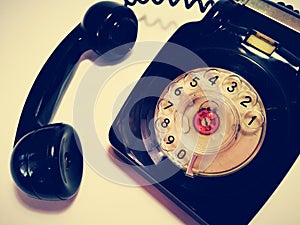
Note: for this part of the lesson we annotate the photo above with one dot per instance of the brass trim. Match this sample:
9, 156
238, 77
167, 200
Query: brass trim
262, 42
272, 12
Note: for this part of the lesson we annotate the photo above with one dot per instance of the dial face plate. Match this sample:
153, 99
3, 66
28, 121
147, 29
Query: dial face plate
210, 122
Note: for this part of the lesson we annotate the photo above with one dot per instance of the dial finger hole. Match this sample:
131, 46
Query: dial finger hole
253, 120
192, 80
166, 107
167, 123
182, 156
169, 142
247, 100
176, 91
212, 78
164, 124
232, 85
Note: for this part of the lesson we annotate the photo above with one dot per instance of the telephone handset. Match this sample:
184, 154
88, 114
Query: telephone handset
218, 136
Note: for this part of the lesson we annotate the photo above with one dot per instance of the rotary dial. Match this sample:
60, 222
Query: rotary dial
210, 122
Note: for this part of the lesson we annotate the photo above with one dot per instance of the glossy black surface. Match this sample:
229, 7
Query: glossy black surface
108, 26
47, 163
235, 198
96, 32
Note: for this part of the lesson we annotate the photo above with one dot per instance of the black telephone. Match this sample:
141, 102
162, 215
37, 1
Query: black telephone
217, 131
215, 128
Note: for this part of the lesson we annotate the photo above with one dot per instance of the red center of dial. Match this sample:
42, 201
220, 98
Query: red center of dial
206, 121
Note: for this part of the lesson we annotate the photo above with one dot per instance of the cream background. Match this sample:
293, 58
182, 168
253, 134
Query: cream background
30, 30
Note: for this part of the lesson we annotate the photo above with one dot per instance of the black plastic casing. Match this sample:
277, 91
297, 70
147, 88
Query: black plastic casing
234, 198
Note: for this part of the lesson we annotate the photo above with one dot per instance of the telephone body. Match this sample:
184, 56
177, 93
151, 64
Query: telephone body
222, 129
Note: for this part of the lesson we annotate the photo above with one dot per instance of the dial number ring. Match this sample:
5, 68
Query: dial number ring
210, 122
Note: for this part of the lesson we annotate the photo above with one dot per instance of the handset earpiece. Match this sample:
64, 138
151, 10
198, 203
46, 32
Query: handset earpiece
47, 161
119, 27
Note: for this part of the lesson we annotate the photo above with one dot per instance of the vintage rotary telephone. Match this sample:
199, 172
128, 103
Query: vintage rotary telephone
217, 128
